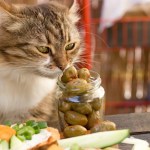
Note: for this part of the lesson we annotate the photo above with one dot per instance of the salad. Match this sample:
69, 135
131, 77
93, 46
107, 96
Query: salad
26, 136
34, 135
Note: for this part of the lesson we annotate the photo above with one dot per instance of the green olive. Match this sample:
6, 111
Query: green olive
77, 86
64, 106
103, 126
93, 119
83, 108
69, 74
75, 130
84, 74
96, 103
75, 118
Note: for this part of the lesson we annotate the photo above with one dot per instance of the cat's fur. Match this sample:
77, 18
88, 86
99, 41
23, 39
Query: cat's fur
27, 76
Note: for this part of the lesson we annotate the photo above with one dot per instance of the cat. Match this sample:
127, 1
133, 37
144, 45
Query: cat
37, 43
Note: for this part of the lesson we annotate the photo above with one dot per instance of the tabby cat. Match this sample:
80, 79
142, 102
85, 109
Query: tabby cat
36, 43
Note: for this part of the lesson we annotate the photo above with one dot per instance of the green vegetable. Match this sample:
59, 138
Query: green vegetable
26, 129
28, 136
96, 140
21, 137
27, 132
31, 123
42, 124
4, 145
15, 143
36, 129
34, 125
16, 127
75, 147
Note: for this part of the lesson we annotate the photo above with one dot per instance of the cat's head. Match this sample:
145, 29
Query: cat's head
40, 39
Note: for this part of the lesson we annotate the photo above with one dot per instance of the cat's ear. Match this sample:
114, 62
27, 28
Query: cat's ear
8, 8
8, 16
73, 10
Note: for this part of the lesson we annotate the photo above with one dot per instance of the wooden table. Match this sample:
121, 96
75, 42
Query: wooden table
138, 123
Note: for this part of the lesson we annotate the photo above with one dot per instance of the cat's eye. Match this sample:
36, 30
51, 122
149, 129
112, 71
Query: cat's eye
43, 49
70, 46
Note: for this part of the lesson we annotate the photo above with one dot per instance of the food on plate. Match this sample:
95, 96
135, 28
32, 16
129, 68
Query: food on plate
96, 140
26, 136
48, 138
6, 132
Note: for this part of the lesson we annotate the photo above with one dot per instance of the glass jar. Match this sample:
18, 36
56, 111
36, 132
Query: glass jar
78, 113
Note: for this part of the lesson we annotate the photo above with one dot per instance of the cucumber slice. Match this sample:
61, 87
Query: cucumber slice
4, 145
96, 140
15, 143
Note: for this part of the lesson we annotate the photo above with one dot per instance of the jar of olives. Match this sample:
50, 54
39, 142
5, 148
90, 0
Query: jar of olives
81, 101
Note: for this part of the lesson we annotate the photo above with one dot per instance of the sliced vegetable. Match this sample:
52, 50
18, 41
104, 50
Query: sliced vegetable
15, 143
21, 137
26, 132
4, 145
36, 129
42, 124
96, 140
26, 129
31, 123
28, 136
75, 147
6, 132
16, 127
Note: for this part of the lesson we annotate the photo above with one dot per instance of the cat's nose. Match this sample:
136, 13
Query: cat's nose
63, 66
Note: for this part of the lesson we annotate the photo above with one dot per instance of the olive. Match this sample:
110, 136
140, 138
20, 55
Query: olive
77, 86
96, 103
64, 106
75, 130
103, 126
83, 108
84, 74
75, 118
69, 74
93, 119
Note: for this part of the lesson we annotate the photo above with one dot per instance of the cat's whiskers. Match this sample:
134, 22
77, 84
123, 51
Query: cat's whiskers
88, 5
97, 36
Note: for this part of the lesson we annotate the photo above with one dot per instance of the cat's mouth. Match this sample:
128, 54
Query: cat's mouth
52, 67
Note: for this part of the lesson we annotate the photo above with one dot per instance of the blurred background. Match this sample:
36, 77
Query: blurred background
116, 35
